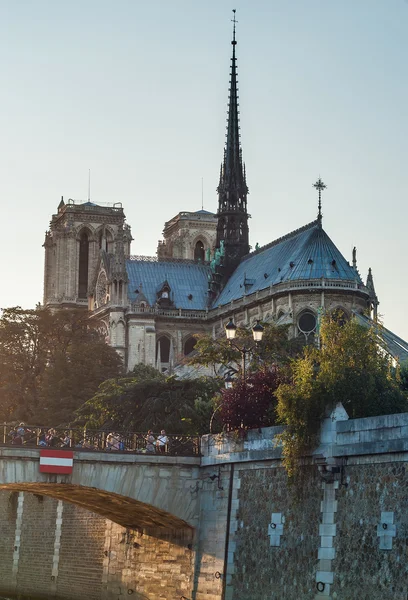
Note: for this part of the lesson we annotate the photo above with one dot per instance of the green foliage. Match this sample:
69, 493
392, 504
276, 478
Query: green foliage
147, 399
275, 348
50, 364
351, 368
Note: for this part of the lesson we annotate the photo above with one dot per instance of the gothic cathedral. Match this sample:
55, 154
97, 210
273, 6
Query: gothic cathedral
204, 273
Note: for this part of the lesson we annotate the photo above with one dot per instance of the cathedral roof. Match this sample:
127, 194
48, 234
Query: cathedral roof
394, 345
188, 281
307, 253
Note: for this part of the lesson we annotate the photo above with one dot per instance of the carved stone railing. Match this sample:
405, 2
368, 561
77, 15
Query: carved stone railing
248, 299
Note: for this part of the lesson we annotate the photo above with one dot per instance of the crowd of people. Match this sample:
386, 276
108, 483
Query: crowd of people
51, 438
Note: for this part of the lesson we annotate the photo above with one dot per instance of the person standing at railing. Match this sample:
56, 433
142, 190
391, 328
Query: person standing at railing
22, 431
66, 440
51, 438
113, 441
162, 442
150, 442
16, 439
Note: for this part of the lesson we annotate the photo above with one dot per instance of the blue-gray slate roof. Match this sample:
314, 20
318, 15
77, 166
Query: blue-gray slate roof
185, 279
307, 253
394, 345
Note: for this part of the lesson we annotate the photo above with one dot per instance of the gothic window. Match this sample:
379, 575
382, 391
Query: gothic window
307, 325
83, 266
199, 252
164, 343
189, 345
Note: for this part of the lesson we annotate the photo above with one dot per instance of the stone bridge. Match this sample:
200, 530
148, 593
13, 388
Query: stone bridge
223, 526
133, 490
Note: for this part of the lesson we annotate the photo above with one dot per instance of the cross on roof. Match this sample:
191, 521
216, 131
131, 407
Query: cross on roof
320, 186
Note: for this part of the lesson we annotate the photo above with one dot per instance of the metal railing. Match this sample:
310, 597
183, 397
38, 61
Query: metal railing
99, 440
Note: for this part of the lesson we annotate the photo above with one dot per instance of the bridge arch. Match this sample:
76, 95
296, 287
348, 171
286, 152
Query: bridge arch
133, 490
124, 511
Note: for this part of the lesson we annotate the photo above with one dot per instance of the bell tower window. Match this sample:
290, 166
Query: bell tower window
83, 266
199, 253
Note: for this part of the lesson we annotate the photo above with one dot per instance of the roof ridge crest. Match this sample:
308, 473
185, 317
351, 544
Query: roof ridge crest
282, 238
155, 259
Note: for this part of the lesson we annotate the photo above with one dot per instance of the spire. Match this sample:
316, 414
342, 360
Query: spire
119, 259
233, 172
355, 258
373, 299
232, 188
320, 186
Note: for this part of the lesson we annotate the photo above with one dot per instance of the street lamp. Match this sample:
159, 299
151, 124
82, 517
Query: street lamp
230, 332
228, 380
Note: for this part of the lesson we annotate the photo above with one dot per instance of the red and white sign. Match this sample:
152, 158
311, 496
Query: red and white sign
56, 461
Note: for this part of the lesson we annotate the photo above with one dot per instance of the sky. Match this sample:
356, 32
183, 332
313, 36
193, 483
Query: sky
137, 92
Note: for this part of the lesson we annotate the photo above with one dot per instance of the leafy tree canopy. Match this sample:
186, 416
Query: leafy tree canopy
350, 367
146, 399
251, 403
50, 364
219, 354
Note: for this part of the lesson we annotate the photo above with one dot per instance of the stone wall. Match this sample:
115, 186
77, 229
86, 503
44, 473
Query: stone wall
340, 532
51, 549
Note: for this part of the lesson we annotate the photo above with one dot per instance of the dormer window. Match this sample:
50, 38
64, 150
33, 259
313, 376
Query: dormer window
164, 295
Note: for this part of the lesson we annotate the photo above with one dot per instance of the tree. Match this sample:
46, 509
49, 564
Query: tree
351, 367
251, 403
146, 399
220, 354
50, 364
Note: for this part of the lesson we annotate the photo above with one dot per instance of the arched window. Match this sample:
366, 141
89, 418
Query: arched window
199, 253
164, 343
83, 266
189, 345
307, 325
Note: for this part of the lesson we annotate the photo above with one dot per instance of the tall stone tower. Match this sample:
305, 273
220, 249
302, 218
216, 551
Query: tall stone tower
232, 228
189, 235
72, 245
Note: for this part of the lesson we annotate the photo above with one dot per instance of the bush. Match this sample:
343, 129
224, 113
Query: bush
251, 403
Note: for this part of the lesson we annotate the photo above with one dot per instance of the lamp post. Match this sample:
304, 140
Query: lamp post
257, 332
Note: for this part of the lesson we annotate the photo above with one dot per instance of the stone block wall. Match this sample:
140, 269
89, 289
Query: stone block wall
268, 511
51, 549
340, 532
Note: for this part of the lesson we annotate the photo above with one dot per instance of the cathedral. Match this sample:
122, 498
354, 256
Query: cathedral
204, 272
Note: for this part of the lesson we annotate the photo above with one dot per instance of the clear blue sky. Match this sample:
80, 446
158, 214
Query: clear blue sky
137, 91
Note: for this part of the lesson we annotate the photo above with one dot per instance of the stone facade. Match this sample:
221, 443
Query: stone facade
189, 236
77, 234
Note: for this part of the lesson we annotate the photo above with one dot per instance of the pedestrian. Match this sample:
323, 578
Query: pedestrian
16, 439
113, 441
66, 440
51, 438
21, 431
150, 442
162, 442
